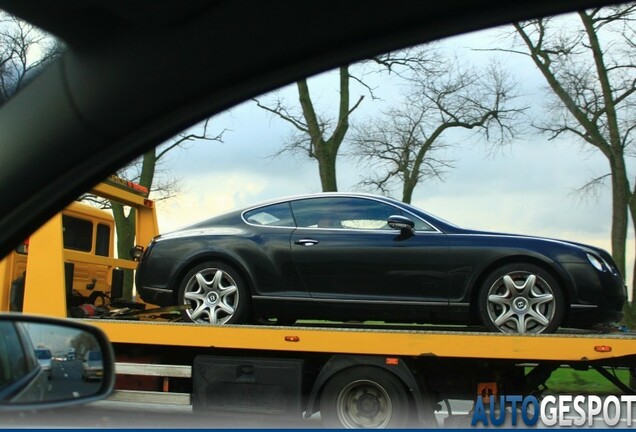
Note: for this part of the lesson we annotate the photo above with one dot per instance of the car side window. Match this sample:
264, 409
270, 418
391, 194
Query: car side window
13, 362
279, 215
420, 225
343, 213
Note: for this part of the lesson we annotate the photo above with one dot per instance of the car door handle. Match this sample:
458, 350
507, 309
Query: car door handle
307, 242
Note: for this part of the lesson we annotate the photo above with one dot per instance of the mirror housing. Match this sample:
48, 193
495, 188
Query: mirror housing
136, 252
405, 225
42, 362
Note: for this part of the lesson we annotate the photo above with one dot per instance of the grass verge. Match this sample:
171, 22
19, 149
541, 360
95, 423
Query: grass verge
566, 380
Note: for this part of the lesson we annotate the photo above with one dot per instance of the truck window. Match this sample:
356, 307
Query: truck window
102, 242
78, 233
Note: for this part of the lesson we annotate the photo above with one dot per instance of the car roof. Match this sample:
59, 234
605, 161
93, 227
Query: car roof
106, 100
321, 195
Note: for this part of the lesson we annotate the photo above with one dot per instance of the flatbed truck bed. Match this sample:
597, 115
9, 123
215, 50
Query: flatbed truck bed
565, 347
355, 375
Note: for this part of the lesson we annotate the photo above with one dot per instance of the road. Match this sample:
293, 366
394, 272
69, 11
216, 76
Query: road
110, 414
66, 381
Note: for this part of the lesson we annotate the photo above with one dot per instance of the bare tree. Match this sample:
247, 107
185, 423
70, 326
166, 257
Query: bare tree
397, 149
320, 137
591, 74
24, 51
144, 171
317, 136
401, 145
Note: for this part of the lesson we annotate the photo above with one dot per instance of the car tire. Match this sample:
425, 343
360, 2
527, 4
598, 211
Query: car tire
521, 298
364, 397
216, 294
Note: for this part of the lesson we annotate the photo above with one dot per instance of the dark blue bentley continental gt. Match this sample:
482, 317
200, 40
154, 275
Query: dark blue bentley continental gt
365, 257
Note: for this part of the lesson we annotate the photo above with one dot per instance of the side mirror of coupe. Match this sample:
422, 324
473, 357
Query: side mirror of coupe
41, 363
405, 225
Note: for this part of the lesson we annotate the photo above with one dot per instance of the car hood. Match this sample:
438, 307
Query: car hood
585, 247
575, 245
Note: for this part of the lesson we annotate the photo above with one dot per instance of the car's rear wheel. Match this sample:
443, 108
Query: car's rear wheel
521, 298
215, 294
364, 397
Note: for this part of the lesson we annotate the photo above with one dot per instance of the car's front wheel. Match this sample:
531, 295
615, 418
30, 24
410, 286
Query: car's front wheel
215, 293
521, 298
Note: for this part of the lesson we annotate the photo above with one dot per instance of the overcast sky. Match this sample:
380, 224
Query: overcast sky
526, 187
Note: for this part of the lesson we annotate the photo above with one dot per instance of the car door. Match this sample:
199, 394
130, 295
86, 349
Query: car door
345, 251
274, 267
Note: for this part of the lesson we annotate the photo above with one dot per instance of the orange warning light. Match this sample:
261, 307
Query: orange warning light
487, 389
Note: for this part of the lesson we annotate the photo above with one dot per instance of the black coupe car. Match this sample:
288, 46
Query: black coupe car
366, 257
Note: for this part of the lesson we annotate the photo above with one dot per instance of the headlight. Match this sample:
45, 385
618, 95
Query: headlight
610, 267
596, 263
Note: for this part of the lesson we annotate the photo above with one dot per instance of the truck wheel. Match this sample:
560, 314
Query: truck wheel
364, 397
215, 294
521, 298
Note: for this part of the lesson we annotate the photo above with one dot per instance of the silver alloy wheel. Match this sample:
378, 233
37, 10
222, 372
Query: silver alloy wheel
521, 302
212, 295
364, 404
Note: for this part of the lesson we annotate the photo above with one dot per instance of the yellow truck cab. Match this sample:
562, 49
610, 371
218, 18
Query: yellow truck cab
89, 232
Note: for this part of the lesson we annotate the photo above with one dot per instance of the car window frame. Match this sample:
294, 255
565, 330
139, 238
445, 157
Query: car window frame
264, 206
29, 362
290, 200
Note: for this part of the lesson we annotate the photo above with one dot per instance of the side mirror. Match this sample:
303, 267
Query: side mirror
136, 252
405, 225
41, 363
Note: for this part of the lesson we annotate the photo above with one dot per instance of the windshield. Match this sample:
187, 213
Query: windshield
25, 51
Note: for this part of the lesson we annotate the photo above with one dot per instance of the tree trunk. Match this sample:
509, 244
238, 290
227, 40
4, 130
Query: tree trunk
632, 209
326, 150
620, 207
619, 227
327, 167
126, 228
126, 225
407, 191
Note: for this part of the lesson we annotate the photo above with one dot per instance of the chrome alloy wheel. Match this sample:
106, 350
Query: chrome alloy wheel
212, 295
364, 404
521, 302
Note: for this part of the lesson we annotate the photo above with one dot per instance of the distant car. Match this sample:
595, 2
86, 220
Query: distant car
92, 366
367, 257
45, 358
